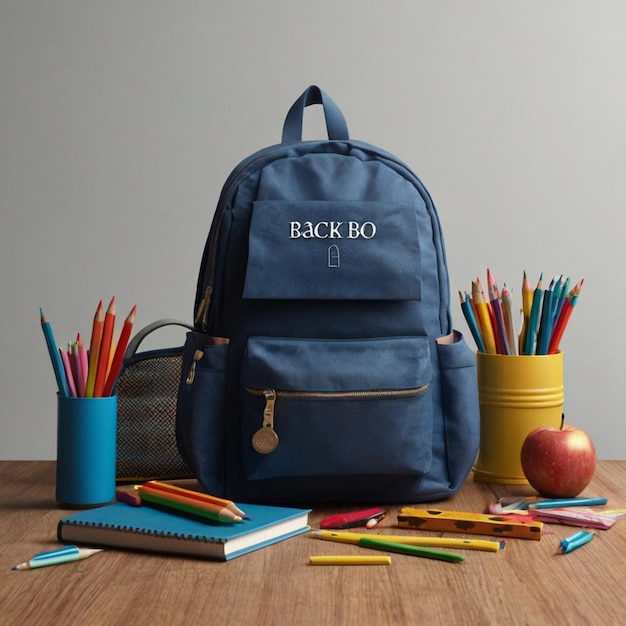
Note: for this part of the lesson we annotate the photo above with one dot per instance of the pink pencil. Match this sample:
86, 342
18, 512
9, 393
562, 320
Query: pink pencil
68, 372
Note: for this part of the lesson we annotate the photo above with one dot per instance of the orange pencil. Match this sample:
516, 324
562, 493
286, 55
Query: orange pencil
116, 364
197, 495
94, 349
105, 349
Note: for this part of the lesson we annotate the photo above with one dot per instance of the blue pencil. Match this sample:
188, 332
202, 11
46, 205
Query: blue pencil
561, 502
55, 357
571, 543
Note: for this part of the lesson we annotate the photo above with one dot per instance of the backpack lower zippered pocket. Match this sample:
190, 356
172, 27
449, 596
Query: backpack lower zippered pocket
265, 440
302, 399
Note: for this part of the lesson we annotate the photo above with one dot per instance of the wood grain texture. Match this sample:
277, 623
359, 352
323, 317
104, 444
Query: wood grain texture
527, 583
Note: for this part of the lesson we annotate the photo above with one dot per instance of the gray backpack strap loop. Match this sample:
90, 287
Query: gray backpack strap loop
144, 332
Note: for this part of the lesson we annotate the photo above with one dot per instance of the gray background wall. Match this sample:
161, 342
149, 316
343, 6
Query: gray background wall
120, 120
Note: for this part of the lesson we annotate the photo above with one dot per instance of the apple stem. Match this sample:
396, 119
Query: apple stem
562, 420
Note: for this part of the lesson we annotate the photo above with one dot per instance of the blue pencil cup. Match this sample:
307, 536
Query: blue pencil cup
86, 442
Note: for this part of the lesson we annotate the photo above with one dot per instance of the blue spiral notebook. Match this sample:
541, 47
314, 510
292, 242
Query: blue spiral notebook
150, 529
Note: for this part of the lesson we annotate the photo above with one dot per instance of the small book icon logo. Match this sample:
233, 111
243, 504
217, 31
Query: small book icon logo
333, 256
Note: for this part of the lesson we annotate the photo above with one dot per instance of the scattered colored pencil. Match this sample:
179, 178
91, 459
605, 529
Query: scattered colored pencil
196, 496
187, 504
402, 548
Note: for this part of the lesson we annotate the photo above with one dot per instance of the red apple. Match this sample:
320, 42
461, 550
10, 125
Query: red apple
558, 462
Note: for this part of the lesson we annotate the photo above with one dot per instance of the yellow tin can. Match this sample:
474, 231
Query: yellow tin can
516, 394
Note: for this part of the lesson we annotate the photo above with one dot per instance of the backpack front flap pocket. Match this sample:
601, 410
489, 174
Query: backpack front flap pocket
335, 250
336, 407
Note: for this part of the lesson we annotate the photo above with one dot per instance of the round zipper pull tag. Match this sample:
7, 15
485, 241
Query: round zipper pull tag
265, 440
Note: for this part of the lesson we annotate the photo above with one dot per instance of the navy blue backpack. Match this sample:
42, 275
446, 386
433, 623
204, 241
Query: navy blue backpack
323, 365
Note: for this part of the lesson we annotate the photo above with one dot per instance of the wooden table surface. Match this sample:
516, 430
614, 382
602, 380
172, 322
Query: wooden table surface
526, 583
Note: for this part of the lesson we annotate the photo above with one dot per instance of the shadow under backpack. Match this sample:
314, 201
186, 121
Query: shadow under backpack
323, 365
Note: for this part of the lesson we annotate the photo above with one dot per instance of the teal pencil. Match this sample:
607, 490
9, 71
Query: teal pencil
534, 319
556, 296
470, 318
545, 328
55, 357
558, 306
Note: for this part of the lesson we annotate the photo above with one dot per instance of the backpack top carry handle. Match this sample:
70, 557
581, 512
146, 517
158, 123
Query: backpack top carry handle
335, 121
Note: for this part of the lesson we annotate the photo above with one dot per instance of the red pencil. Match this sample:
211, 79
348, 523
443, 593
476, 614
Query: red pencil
94, 349
566, 312
559, 328
105, 350
119, 352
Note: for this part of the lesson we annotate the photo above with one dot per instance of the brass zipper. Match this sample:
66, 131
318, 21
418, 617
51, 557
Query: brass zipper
265, 440
339, 395
204, 306
197, 355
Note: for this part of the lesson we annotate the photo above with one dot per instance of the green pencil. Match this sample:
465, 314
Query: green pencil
402, 548
222, 515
